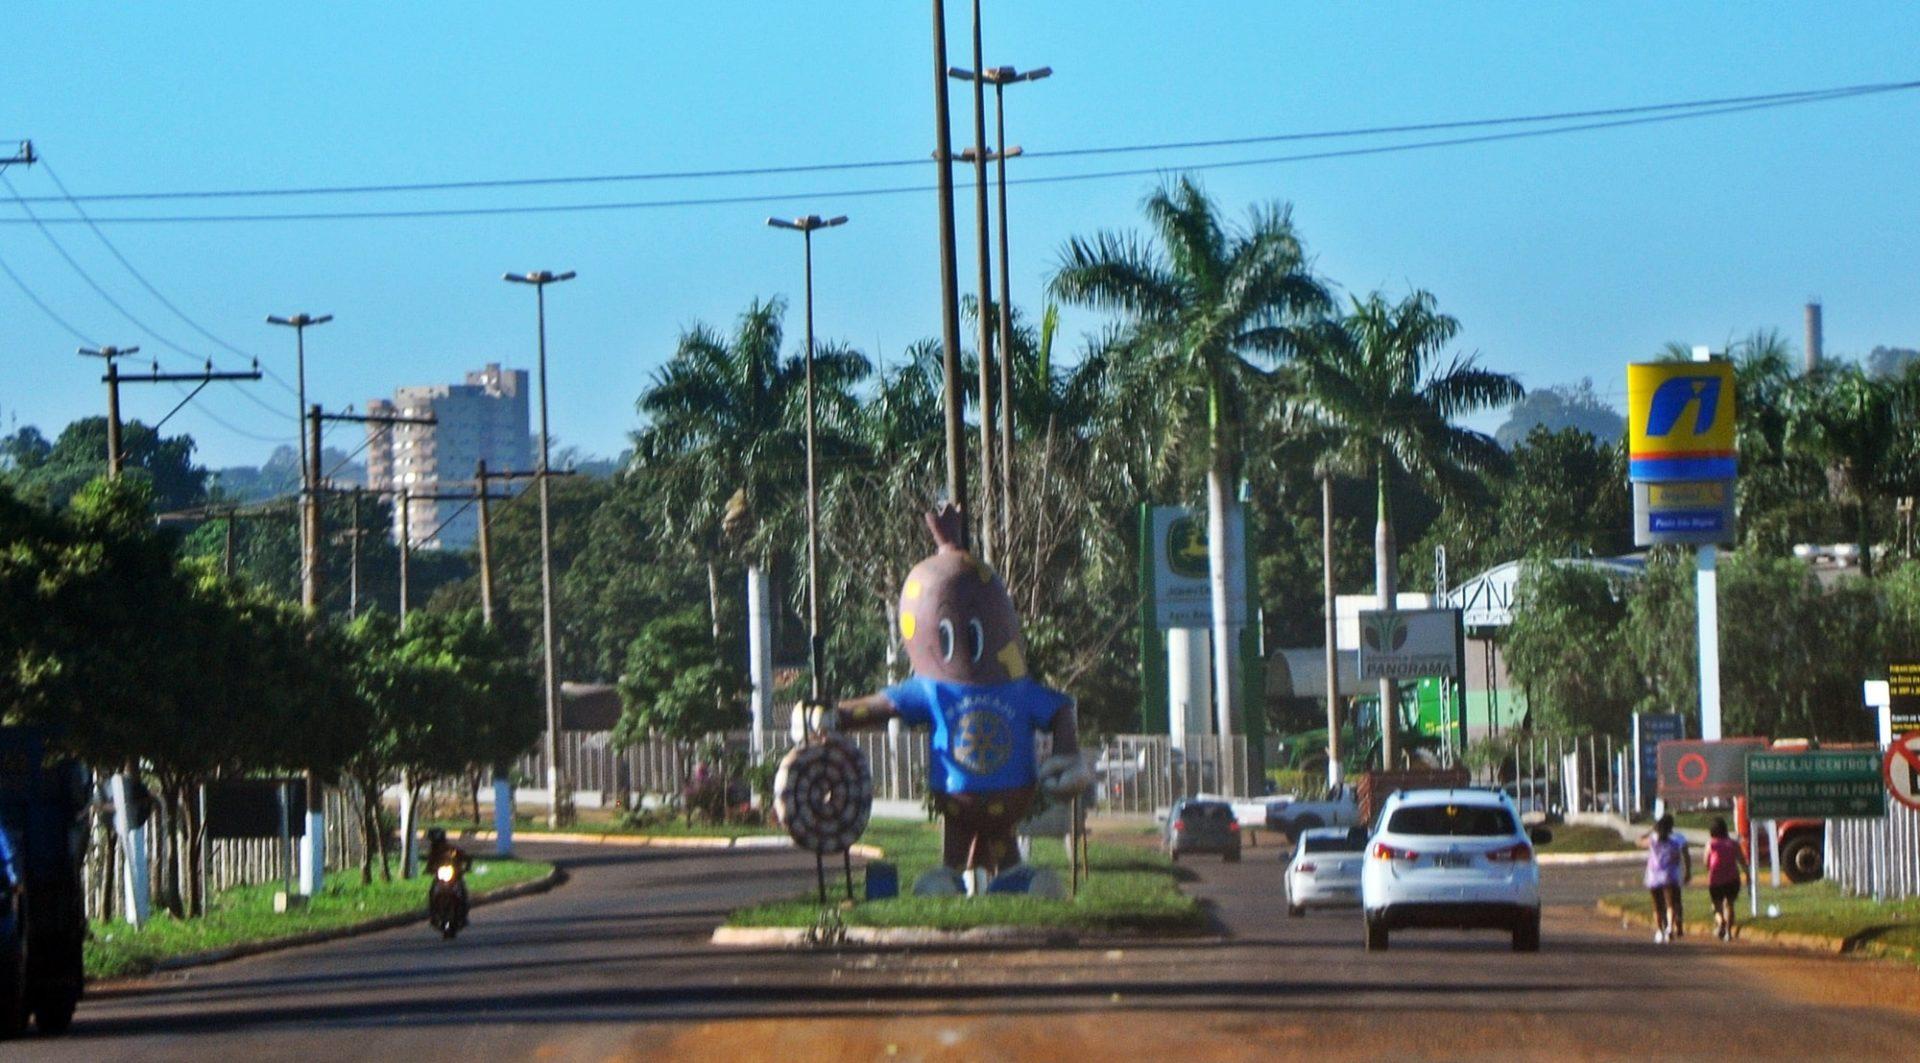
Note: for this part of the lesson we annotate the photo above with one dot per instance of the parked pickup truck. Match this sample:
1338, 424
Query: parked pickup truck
1339, 808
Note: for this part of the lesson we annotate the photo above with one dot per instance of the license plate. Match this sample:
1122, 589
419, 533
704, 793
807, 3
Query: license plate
1453, 860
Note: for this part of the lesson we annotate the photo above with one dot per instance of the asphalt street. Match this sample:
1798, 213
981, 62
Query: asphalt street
615, 964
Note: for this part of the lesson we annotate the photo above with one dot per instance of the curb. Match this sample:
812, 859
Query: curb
982, 937
316, 937
665, 841
1751, 933
1624, 856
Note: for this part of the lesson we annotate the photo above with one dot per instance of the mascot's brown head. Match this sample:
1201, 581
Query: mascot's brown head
956, 617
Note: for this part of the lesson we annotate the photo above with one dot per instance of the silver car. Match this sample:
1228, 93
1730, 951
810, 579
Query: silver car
1325, 870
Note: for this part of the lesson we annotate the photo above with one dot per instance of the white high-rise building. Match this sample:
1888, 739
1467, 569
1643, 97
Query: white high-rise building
484, 419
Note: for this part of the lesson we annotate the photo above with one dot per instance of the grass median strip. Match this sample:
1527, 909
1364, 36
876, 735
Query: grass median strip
1815, 910
244, 915
1130, 889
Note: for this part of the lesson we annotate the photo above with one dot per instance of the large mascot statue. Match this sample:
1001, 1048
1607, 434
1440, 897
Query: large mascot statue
971, 687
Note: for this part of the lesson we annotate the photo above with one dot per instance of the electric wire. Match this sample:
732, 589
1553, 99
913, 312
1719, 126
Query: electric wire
44, 308
860, 193
41, 224
129, 267
1772, 98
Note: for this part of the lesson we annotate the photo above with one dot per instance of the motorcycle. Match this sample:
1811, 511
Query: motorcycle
447, 899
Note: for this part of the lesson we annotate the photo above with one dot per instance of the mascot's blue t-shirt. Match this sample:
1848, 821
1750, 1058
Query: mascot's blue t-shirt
982, 734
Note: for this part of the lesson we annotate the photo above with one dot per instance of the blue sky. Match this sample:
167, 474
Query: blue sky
1563, 256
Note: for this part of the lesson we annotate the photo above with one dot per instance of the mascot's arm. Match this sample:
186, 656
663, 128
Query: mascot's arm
854, 714
865, 714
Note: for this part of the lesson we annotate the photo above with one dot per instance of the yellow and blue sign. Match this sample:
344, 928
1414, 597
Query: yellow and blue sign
1680, 419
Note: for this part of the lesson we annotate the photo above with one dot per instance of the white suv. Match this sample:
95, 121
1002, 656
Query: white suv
1452, 858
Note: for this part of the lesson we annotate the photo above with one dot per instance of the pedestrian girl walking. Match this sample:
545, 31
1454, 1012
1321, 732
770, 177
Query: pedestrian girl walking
1725, 865
1669, 866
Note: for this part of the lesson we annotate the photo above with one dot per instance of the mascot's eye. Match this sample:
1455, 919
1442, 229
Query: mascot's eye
979, 638
946, 639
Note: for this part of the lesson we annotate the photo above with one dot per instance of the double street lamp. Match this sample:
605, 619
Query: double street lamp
816, 635
560, 807
299, 323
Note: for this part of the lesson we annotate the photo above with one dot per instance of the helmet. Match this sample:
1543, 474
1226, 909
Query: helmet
436, 836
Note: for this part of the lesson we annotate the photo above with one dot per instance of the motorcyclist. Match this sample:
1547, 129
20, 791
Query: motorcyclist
443, 853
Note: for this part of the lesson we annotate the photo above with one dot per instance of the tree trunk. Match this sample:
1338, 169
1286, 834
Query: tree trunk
713, 599
1226, 676
1335, 768
1385, 581
1864, 525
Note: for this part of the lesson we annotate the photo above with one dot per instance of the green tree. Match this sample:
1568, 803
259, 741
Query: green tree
1850, 422
1567, 648
1202, 310
675, 688
57, 473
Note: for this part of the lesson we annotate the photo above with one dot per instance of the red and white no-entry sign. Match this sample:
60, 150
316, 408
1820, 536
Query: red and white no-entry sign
1902, 769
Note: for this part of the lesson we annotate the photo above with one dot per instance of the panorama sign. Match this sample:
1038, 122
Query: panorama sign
1410, 643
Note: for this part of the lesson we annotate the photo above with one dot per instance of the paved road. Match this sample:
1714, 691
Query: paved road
615, 965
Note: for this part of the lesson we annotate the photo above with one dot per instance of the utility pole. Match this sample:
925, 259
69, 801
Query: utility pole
486, 546
1001, 77
403, 500
353, 570
310, 599
308, 483
116, 454
949, 268
560, 807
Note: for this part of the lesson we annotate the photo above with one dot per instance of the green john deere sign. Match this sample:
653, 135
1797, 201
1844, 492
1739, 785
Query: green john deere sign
1816, 784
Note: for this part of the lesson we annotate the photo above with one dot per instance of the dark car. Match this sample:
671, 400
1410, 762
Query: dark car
1196, 826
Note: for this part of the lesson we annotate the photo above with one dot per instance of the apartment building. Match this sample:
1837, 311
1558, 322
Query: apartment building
484, 419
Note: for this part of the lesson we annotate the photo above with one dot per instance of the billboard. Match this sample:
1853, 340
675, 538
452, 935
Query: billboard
1410, 643
1680, 421
1180, 592
1697, 769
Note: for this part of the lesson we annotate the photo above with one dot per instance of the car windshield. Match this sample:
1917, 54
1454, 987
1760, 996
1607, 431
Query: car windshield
1344, 843
1484, 821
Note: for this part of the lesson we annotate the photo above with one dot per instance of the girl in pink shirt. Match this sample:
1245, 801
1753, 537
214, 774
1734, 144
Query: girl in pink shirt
1725, 865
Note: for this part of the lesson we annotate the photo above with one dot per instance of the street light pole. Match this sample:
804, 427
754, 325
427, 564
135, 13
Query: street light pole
299, 323
560, 808
949, 286
816, 633
1001, 77
116, 454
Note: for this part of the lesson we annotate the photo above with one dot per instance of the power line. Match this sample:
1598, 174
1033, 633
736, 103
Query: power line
1772, 99
858, 193
44, 308
137, 275
88, 277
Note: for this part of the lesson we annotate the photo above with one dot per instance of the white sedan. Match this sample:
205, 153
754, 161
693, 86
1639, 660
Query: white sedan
1325, 870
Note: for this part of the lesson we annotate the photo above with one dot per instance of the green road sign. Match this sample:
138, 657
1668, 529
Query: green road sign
1817, 784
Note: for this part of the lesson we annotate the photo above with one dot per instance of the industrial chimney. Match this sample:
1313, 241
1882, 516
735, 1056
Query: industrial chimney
1813, 336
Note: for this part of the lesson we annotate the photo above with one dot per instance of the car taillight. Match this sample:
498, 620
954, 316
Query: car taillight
1518, 854
1383, 851
1179, 824
1233, 825
1308, 868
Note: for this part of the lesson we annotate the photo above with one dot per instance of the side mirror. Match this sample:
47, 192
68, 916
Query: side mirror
1539, 835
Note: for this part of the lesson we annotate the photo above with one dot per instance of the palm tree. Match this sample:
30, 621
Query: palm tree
1852, 424
1199, 309
1373, 383
726, 423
